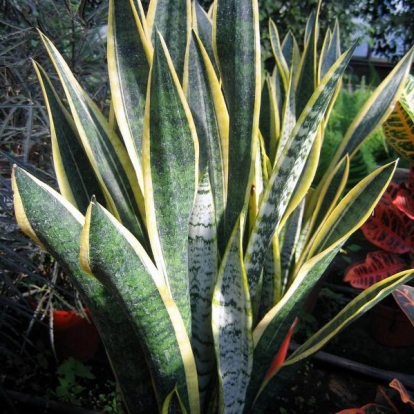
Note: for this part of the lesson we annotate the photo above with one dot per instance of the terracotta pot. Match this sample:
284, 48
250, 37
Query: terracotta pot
74, 336
391, 327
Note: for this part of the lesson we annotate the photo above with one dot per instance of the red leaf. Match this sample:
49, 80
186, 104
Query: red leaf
389, 228
280, 357
404, 201
404, 295
377, 266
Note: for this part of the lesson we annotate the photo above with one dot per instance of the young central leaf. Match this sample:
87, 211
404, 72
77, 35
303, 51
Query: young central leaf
237, 43
170, 157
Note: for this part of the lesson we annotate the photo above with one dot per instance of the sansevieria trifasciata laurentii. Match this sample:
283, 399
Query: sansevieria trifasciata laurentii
189, 221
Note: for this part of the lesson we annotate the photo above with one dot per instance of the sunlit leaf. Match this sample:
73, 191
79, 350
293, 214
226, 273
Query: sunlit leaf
377, 266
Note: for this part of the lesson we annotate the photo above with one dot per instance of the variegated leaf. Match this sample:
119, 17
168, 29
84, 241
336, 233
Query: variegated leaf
291, 53
236, 40
344, 220
76, 178
170, 165
388, 227
105, 151
281, 63
375, 110
331, 50
349, 314
287, 119
399, 126
129, 54
56, 225
172, 18
321, 203
203, 26
362, 303
232, 327
306, 81
203, 265
139, 288
287, 172
209, 111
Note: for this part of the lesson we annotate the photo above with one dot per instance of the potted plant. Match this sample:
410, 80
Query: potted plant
187, 221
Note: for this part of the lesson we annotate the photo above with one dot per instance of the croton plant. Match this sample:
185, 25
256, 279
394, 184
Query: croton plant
391, 225
188, 219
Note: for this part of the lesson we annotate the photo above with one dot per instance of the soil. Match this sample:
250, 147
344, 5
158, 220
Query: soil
326, 388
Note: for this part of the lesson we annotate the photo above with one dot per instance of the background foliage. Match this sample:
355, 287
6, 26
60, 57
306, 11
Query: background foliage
386, 23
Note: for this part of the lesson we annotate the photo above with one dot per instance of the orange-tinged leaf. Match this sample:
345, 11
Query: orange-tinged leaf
281, 355
404, 296
368, 409
377, 266
404, 394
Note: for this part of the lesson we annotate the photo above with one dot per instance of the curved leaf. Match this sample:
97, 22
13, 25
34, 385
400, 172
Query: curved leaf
356, 308
325, 200
76, 178
56, 225
353, 209
404, 296
331, 50
344, 220
306, 79
291, 53
375, 110
105, 151
203, 26
362, 303
139, 289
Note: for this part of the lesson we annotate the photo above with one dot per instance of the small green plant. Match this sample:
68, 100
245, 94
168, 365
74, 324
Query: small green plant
188, 220
107, 402
70, 375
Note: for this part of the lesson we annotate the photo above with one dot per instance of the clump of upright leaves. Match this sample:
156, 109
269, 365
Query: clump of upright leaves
187, 219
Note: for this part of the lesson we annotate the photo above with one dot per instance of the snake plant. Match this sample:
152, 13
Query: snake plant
188, 219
